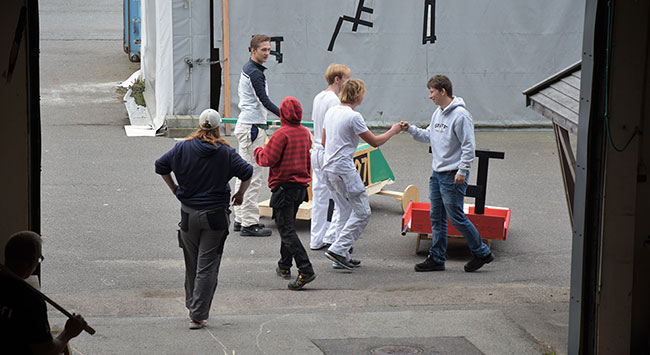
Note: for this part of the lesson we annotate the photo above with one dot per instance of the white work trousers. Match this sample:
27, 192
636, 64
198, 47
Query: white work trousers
351, 199
322, 231
248, 213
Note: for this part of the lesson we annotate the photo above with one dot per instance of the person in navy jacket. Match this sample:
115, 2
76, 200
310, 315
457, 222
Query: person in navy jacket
203, 164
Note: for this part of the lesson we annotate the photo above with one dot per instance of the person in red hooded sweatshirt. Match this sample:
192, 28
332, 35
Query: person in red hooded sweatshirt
287, 154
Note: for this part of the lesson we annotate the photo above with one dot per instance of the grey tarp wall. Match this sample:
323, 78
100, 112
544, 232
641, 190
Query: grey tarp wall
175, 33
491, 50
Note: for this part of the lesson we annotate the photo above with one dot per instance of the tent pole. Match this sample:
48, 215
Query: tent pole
226, 63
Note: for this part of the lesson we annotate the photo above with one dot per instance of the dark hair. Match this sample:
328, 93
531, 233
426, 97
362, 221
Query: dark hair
23, 248
259, 39
440, 82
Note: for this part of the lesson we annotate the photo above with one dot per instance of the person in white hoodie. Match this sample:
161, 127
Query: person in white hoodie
451, 136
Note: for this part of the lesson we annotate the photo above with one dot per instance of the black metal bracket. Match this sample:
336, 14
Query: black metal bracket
278, 49
479, 190
356, 20
429, 32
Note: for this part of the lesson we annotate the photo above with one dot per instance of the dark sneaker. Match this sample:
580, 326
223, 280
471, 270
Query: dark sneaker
323, 246
301, 281
283, 273
478, 261
429, 265
197, 324
339, 260
236, 226
354, 263
255, 231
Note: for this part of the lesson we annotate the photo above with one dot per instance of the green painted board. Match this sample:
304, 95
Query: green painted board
371, 165
379, 168
308, 124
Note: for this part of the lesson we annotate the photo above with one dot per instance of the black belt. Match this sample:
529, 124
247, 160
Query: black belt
447, 172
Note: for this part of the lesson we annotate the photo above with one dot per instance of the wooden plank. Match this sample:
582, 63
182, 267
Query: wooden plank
554, 117
573, 81
577, 74
555, 78
562, 99
541, 103
567, 90
226, 62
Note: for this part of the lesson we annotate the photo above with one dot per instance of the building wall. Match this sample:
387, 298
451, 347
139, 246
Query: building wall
14, 145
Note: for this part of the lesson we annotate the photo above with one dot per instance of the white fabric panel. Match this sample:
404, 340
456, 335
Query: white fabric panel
164, 83
148, 53
148, 44
491, 51
172, 33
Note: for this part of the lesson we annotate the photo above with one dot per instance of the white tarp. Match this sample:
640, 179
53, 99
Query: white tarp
175, 32
491, 50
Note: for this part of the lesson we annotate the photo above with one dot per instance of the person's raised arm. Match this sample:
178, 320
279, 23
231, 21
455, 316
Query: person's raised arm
376, 141
272, 152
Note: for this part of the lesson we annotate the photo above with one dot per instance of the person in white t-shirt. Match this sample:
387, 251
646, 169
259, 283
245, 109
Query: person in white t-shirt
322, 232
341, 132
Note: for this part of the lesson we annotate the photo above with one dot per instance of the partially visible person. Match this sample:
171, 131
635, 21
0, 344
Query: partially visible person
322, 232
287, 154
451, 137
251, 132
203, 164
24, 328
343, 127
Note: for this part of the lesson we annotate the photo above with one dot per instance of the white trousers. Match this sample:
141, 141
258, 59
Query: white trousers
322, 231
351, 199
248, 213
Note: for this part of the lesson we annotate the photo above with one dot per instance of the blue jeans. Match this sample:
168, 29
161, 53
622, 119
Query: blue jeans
447, 201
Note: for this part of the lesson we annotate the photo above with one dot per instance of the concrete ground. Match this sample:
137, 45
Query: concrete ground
112, 255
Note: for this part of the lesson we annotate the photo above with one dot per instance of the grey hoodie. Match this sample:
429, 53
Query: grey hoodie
451, 136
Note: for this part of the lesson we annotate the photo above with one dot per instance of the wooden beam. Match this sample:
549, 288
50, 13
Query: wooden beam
226, 63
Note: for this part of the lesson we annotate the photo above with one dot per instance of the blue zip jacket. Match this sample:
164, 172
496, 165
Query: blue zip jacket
203, 171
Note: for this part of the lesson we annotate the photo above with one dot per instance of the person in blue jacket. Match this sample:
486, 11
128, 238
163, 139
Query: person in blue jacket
250, 131
451, 137
203, 164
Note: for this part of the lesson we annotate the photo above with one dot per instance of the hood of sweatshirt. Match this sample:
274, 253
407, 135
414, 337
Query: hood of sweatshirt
290, 111
203, 149
456, 102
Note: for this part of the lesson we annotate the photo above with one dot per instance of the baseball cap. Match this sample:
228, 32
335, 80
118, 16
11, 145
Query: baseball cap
209, 119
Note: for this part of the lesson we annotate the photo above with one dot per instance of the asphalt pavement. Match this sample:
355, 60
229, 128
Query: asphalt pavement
111, 251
